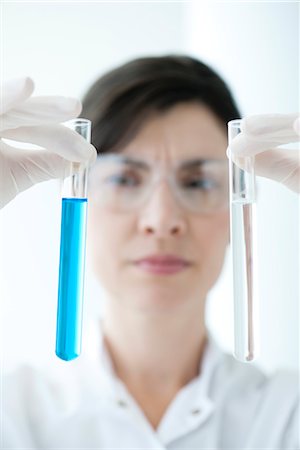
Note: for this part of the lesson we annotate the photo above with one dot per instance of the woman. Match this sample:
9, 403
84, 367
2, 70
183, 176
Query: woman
158, 232
163, 243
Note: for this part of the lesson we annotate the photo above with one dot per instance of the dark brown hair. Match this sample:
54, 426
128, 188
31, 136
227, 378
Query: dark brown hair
119, 101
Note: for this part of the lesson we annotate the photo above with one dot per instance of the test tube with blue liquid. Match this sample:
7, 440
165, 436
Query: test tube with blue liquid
243, 252
72, 253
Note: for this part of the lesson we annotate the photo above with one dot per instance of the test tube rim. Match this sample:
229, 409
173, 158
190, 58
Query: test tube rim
236, 123
79, 121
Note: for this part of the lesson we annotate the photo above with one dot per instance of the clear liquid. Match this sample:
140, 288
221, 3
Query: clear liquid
243, 244
71, 278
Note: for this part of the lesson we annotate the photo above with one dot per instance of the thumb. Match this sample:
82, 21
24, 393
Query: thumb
279, 165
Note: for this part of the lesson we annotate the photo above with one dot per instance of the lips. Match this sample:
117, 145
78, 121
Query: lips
162, 264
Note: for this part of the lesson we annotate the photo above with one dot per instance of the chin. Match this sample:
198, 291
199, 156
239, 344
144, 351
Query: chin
158, 299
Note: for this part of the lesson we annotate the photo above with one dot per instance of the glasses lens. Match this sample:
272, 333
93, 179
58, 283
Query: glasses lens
203, 188
120, 183
123, 184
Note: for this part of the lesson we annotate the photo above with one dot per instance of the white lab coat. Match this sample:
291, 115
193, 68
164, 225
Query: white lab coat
83, 405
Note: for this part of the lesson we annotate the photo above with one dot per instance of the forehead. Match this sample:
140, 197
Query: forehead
186, 131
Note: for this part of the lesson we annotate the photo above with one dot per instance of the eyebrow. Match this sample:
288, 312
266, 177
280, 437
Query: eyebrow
194, 163
134, 162
127, 160
188, 164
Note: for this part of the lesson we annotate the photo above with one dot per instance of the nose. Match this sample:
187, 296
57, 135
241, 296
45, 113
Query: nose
162, 217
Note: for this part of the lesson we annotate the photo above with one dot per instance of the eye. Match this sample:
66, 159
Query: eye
200, 183
123, 180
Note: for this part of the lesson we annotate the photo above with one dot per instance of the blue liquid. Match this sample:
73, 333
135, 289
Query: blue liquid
71, 278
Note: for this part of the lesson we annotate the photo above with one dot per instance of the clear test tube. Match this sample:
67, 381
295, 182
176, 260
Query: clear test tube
72, 253
243, 252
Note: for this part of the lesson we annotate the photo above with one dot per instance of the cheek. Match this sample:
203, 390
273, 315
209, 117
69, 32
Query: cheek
212, 234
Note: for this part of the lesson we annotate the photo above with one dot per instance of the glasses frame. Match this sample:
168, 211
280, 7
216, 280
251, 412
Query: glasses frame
165, 174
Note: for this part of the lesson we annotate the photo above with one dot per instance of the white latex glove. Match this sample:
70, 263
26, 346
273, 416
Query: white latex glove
259, 137
36, 120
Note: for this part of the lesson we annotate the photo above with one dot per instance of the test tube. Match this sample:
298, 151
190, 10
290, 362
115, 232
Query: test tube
243, 252
72, 253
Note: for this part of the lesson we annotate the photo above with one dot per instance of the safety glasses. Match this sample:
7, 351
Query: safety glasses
126, 183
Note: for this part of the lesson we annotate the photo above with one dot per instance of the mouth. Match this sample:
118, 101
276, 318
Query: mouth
162, 264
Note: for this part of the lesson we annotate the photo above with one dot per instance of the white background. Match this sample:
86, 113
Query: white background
64, 46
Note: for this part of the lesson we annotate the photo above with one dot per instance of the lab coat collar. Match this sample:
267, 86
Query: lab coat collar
98, 355
191, 407
193, 404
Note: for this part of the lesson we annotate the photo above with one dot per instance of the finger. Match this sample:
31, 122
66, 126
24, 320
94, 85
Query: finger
297, 126
27, 168
15, 91
57, 138
41, 111
262, 132
277, 164
244, 145
265, 124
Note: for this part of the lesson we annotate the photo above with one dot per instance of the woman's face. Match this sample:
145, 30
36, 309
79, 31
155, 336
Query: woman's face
161, 255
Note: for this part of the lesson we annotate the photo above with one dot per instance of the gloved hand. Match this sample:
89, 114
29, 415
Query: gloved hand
260, 135
36, 120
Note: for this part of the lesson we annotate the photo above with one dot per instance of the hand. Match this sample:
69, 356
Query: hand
36, 120
259, 137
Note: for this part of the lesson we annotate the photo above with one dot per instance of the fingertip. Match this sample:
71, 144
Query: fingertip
27, 86
234, 153
70, 105
82, 150
15, 91
236, 147
251, 124
23, 87
239, 161
77, 107
93, 157
296, 125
